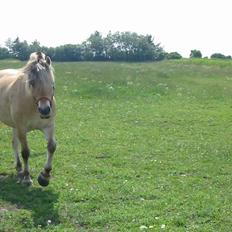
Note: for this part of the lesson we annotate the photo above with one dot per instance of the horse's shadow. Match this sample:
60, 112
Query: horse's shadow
39, 201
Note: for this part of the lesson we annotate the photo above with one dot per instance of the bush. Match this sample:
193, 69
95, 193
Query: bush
173, 56
219, 56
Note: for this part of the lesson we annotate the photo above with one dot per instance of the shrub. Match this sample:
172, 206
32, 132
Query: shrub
219, 56
173, 55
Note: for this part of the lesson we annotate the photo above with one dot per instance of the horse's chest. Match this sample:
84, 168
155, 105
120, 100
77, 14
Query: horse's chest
37, 123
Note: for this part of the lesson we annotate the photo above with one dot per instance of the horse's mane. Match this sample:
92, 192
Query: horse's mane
37, 66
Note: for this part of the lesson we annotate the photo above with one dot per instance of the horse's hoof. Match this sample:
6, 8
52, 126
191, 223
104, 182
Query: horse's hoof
27, 181
42, 180
20, 177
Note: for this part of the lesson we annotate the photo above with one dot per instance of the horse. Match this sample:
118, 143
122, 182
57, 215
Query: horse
27, 103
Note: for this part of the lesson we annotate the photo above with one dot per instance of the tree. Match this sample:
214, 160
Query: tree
94, 47
113, 46
4, 53
130, 46
68, 52
35, 46
18, 49
51, 52
195, 54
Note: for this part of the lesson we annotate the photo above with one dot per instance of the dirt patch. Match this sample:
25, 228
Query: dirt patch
7, 208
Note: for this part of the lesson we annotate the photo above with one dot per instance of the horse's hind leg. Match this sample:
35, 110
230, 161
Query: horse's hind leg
18, 164
44, 176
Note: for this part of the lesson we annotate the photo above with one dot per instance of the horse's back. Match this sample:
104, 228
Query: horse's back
7, 79
8, 72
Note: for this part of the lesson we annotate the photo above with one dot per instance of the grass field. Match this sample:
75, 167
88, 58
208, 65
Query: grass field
141, 147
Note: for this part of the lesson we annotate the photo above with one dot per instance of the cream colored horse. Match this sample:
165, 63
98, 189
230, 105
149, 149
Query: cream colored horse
27, 103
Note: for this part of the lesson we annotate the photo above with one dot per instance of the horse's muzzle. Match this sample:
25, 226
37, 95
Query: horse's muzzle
44, 108
44, 111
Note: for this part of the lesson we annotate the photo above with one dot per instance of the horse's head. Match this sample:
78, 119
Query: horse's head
41, 82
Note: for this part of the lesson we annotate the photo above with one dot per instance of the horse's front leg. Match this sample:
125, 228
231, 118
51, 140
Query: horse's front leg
44, 176
25, 176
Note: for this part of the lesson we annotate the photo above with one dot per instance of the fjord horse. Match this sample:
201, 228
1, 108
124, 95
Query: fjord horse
27, 103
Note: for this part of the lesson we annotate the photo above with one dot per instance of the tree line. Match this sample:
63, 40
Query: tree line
119, 46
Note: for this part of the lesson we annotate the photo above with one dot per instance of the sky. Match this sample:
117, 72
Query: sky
178, 25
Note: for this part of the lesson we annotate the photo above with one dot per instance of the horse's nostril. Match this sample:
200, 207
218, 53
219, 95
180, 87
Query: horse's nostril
44, 110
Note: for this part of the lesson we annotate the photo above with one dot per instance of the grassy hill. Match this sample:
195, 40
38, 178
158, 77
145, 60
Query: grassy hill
141, 146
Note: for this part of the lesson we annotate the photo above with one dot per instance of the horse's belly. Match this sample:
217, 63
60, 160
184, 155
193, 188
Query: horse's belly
5, 114
8, 123
6, 119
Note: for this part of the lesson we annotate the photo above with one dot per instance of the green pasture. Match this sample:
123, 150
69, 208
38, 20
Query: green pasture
141, 147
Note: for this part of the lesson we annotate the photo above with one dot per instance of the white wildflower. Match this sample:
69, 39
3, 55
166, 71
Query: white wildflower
49, 222
143, 227
163, 226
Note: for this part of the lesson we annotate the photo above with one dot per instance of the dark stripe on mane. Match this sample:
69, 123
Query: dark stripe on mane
39, 56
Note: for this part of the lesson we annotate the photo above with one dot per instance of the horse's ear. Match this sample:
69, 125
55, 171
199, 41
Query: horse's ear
48, 60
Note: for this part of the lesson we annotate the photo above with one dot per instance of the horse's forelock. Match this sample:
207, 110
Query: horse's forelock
41, 60
37, 56
40, 55
37, 71
38, 67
